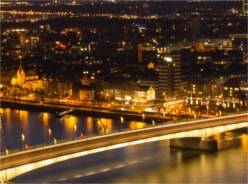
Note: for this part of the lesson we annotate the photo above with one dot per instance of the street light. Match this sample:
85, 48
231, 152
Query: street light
153, 122
55, 141
75, 129
26, 147
49, 135
81, 135
143, 116
23, 140
122, 121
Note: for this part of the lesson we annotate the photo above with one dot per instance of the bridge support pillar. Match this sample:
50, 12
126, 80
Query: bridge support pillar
195, 143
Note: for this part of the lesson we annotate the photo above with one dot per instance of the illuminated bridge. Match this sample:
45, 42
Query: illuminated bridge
16, 164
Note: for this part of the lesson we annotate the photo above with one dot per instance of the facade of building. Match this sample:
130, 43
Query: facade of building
26, 79
195, 27
87, 93
169, 78
236, 88
20, 76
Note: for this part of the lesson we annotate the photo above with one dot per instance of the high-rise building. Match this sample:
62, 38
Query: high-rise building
169, 78
194, 27
245, 7
139, 53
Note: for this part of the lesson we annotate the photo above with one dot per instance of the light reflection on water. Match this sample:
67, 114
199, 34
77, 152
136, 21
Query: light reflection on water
244, 142
153, 162
171, 165
35, 126
163, 164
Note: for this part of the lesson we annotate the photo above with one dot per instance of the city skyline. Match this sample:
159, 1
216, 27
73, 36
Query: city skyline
80, 78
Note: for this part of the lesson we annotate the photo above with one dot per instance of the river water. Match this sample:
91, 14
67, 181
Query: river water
152, 162
42, 128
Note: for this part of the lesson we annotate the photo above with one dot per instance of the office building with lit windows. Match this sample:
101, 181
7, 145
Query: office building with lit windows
169, 78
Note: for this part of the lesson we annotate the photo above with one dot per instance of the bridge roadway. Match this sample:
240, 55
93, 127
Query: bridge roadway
52, 151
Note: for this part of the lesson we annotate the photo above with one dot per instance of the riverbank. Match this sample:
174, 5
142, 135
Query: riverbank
99, 112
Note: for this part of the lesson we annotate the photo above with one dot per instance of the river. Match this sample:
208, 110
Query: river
154, 162
42, 128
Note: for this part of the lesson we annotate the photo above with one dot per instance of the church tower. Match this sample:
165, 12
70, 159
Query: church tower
20, 75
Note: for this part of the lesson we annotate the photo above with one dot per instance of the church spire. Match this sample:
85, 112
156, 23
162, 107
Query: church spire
20, 75
20, 69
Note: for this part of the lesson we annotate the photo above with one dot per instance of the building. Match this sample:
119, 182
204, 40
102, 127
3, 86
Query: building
139, 53
27, 79
236, 87
87, 93
213, 44
194, 27
169, 77
244, 7
20, 77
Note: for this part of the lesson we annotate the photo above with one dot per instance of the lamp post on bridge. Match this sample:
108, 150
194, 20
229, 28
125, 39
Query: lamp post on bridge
143, 117
153, 122
49, 135
75, 130
54, 141
23, 140
122, 121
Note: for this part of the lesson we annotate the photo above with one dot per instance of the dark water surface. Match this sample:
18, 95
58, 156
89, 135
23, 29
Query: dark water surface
35, 125
147, 163
152, 162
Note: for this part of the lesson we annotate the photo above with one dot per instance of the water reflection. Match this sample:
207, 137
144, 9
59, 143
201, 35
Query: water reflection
89, 125
137, 125
156, 162
231, 138
35, 126
244, 142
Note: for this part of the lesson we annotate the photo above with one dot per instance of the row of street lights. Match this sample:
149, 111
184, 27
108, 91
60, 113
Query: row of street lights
55, 141
25, 145
142, 116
